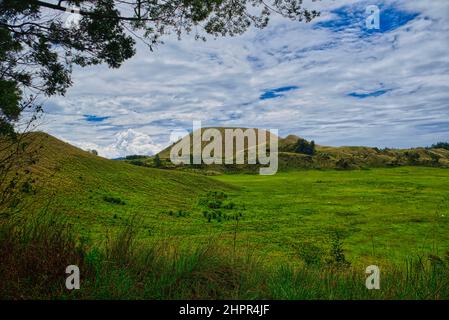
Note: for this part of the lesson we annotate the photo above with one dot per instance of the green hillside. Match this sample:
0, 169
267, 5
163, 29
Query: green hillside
325, 157
98, 193
165, 154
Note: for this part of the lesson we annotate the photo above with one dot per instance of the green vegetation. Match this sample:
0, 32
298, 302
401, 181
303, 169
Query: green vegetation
297, 153
157, 161
214, 207
297, 234
382, 215
441, 145
303, 146
90, 191
36, 250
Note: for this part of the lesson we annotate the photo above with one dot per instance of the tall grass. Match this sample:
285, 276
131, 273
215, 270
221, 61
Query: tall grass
35, 252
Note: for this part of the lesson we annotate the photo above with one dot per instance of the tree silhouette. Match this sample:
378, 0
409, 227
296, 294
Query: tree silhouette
303, 146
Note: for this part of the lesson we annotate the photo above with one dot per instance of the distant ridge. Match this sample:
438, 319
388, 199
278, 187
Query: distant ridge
347, 157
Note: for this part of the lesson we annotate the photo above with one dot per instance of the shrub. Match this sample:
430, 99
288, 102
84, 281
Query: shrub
412, 157
138, 163
157, 161
135, 157
343, 164
336, 255
182, 213
303, 146
229, 205
212, 202
114, 200
435, 158
27, 187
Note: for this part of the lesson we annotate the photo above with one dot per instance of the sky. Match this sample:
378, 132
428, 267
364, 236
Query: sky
332, 80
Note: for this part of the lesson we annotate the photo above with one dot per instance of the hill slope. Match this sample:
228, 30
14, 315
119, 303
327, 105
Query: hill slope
165, 154
333, 157
99, 193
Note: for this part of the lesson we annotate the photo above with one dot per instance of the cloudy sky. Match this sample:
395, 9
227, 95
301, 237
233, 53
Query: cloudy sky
332, 80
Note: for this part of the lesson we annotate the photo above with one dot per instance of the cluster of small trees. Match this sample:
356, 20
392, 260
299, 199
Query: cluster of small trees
441, 145
303, 146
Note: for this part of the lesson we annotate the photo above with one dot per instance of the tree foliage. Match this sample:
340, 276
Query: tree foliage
441, 145
303, 146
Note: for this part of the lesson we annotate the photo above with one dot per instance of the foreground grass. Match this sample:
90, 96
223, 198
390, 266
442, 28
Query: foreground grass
36, 251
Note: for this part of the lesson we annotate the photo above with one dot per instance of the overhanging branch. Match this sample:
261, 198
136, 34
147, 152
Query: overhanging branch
88, 13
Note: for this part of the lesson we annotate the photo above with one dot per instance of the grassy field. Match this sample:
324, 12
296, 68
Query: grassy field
35, 251
228, 236
382, 215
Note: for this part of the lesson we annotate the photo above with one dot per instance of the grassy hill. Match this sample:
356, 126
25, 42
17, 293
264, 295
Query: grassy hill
97, 193
165, 154
325, 157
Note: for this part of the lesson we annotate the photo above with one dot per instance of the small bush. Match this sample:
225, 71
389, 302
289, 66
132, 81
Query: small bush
138, 163
135, 157
214, 203
182, 213
343, 164
229, 205
157, 161
337, 255
310, 254
412, 157
114, 200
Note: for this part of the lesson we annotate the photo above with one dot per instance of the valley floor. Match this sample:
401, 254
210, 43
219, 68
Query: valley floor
377, 216
381, 215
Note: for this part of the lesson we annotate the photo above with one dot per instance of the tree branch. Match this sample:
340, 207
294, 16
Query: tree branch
87, 13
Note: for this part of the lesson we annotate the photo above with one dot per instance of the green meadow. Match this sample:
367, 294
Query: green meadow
169, 234
382, 215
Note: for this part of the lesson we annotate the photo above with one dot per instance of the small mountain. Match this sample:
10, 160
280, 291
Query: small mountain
165, 154
347, 157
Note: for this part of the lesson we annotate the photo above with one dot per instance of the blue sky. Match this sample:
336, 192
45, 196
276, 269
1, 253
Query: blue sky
332, 80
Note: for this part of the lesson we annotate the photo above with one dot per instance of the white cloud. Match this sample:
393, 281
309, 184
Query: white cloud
127, 142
